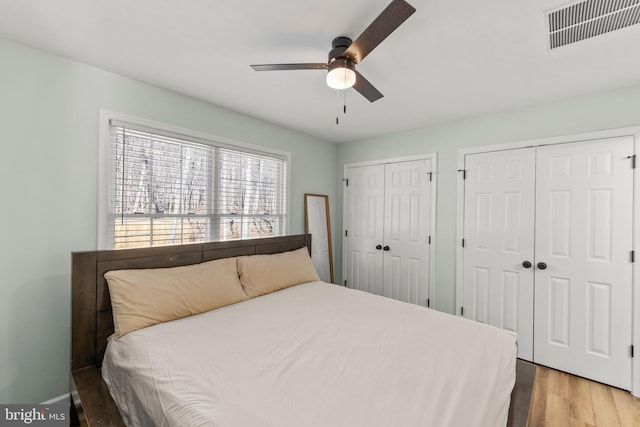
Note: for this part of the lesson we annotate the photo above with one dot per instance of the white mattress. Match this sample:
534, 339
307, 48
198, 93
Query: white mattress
314, 355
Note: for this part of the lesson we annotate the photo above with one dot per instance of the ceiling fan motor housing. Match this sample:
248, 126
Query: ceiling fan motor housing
339, 45
341, 63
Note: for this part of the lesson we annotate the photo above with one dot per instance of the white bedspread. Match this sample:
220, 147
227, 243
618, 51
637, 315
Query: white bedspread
314, 355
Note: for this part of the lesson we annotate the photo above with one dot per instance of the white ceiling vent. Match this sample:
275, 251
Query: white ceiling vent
590, 18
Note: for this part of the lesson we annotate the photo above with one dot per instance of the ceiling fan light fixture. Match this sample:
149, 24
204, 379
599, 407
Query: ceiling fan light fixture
342, 74
346, 53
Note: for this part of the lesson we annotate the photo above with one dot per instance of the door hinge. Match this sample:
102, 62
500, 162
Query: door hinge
633, 161
428, 302
633, 256
430, 176
632, 351
463, 243
346, 181
464, 173
461, 311
346, 233
429, 239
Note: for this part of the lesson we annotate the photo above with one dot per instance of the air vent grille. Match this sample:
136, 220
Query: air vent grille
590, 18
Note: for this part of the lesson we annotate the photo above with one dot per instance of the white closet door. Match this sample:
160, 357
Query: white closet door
364, 225
407, 221
584, 238
499, 192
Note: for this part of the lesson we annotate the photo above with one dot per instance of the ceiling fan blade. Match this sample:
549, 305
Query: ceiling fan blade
278, 67
391, 18
366, 89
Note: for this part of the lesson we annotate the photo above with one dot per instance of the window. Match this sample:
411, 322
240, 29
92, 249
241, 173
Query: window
166, 187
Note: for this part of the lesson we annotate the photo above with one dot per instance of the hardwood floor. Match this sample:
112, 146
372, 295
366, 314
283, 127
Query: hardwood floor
563, 400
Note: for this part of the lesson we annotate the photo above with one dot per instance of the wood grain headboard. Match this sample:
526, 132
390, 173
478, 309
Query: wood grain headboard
91, 317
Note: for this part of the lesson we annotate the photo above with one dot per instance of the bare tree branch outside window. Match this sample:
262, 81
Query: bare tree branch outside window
168, 191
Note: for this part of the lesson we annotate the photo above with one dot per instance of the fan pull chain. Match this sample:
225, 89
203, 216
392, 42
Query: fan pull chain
337, 106
344, 111
344, 104
345, 91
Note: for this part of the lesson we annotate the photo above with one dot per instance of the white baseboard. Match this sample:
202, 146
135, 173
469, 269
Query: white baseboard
58, 399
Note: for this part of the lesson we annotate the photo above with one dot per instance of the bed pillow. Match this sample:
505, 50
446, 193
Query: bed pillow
261, 274
141, 298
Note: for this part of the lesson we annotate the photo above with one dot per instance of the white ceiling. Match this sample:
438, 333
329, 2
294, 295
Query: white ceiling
450, 59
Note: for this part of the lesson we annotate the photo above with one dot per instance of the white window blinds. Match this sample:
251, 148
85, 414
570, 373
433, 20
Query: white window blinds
169, 189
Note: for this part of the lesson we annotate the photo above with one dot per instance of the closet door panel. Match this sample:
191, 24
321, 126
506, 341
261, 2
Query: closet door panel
584, 196
407, 221
498, 238
364, 223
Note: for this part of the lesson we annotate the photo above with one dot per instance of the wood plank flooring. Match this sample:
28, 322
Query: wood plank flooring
563, 400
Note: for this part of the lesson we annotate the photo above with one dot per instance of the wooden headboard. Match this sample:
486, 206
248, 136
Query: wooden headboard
91, 317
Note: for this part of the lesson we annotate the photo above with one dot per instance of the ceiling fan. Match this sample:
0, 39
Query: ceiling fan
345, 54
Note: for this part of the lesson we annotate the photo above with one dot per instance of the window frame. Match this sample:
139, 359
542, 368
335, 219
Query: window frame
104, 240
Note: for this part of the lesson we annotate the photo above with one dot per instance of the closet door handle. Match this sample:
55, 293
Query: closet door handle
542, 266
526, 264
386, 248
378, 247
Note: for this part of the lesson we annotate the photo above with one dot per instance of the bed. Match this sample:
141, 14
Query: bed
310, 354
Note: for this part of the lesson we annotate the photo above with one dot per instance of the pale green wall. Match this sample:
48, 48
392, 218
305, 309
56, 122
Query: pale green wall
613, 109
49, 144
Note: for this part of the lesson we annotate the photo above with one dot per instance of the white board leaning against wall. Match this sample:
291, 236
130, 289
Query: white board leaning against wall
318, 224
